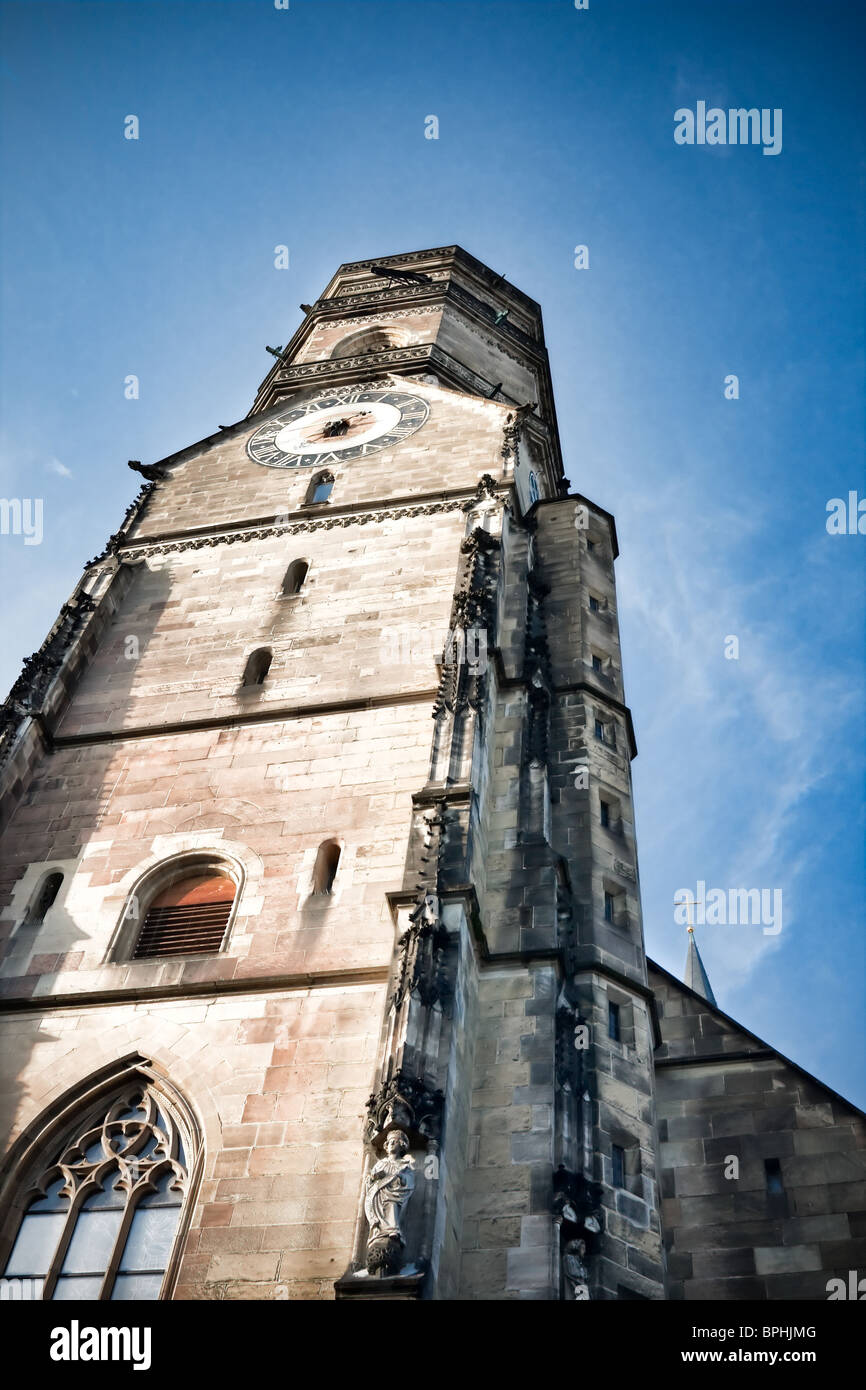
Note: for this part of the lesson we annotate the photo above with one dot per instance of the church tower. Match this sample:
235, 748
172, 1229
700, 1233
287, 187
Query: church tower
323, 968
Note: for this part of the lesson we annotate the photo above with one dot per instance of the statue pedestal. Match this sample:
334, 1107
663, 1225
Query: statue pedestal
401, 1288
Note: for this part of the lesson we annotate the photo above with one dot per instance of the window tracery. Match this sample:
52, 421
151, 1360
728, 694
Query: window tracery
103, 1213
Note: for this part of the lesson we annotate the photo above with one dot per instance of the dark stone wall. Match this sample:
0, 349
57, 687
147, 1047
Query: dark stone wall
723, 1095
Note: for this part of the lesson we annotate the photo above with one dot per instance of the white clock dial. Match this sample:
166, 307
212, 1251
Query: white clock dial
326, 429
337, 426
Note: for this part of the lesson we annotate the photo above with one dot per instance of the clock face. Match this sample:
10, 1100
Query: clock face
336, 427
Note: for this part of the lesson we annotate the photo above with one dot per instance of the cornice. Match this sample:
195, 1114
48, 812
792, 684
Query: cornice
271, 714
402, 258
587, 688
338, 302
340, 367
506, 682
254, 984
758, 1054
371, 364
530, 515
387, 315
300, 523
453, 255
462, 374
442, 289
275, 714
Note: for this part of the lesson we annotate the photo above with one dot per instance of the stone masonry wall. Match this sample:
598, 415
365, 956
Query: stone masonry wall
218, 483
278, 1082
279, 1076
508, 1250
728, 1234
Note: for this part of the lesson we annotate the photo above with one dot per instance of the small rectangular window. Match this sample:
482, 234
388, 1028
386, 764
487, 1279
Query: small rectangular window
594, 604
608, 906
590, 545
773, 1174
613, 1021
605, 731
596, 662
605, 813
618, 1166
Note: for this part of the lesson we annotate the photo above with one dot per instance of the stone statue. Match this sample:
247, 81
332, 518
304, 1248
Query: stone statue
575, 1270
390, 1184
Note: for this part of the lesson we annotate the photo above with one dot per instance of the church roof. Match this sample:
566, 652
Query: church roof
760, 1050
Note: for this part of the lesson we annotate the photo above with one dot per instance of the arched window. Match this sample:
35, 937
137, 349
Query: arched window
320, 488
44, 898
366, 341
101, 1209
257, 667
295, 576
188, 916
325, 871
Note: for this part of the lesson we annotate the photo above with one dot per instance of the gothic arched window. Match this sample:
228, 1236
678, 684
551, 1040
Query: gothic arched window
188, 916
44, 898
320, 488
295, 577
257, 667
101, 1211
325, 870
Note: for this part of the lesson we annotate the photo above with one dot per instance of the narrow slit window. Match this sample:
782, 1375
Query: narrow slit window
45, 898
608, 906
325, 871
257, 667
605, 813
321, 488
613, 1022
295, 577
773, 1174
618, 1166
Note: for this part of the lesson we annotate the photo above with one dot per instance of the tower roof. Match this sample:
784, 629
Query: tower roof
695, 976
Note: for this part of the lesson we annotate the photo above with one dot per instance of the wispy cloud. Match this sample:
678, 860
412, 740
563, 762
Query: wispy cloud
732, 749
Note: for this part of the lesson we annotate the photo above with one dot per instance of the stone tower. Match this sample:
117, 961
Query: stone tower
321, 920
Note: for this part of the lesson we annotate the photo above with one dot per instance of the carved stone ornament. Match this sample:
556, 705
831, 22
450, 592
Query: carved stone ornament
388, 1189
406, 1102
29, 691
421, 950
575, 1271
577, 1202
136, 550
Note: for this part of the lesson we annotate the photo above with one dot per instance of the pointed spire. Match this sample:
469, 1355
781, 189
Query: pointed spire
696, 977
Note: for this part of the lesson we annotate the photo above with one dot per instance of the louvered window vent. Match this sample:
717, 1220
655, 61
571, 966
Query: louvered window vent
190, 918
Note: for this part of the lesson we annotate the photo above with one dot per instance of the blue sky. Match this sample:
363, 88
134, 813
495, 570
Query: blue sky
261, 127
